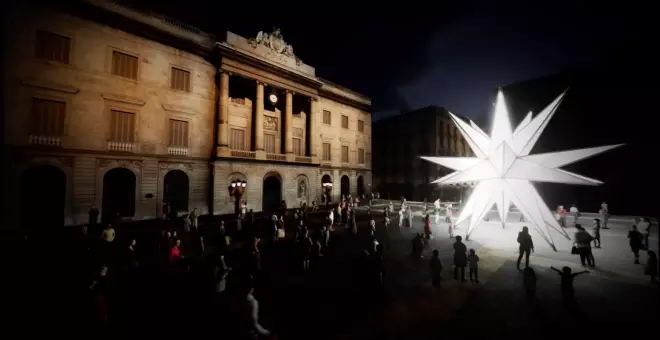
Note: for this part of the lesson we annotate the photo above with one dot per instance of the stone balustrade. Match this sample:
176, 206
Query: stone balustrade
45, 140
177, 150
303, 159
121, 146
275, 157
244, 154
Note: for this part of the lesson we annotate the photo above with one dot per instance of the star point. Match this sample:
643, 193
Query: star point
505, 171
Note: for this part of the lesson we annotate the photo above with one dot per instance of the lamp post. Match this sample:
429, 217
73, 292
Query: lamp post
236, 190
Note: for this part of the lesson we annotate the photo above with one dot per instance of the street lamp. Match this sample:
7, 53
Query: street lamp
236, 190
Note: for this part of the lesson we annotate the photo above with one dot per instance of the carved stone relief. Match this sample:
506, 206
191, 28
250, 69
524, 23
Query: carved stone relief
175, 166
107, 163
302, 188
297, 132
270, 123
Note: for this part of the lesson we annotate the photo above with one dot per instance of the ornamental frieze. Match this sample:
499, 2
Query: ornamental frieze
113, 163
270, 123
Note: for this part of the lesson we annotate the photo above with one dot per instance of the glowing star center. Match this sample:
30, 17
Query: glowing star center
502, 158
505, 170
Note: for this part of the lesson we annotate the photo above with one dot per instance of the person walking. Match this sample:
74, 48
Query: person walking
436, 268
583, 244
635, 241
525, 246
473, 261
597, 232
460, 258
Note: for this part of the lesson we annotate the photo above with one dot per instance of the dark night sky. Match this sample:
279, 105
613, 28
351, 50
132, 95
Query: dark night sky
455, 56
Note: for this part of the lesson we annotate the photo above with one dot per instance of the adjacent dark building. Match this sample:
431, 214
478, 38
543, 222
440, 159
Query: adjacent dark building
399, 141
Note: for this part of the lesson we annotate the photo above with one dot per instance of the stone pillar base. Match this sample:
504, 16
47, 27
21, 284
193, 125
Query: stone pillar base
223, 151
290, 157
260, 154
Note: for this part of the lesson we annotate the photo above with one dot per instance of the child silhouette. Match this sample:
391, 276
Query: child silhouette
567, 277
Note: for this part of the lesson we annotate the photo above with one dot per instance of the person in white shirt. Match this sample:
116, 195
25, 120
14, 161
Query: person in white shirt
576, 214
331, 217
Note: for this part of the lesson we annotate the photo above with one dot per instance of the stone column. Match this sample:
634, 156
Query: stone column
312, 128
288, 141
223, 114
259, 122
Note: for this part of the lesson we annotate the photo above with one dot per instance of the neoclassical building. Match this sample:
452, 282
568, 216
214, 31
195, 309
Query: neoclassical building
124, 109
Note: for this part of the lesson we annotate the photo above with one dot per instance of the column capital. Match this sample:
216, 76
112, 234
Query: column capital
221, 71
259, 82
313, 99
289, 91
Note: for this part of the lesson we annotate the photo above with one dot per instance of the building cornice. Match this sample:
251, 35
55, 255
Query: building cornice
148, 25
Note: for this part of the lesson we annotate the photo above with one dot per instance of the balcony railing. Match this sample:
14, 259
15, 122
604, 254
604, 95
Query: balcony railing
177, 150
46, 140
275, 157
303, 159
244, 154
121, 146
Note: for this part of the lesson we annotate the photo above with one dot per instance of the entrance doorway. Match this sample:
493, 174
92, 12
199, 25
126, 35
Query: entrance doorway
326, 188
175, 190
118, 194
345, 186
272, 193
360, 186
42, 199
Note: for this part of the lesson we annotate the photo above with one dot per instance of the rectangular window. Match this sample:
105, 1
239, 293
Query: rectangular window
180, 79
327, 118
122, 126
48, 117
178, 133
297, 147
344, 122
269, 143
124, 65
237, 139
344, 154
54, 47
360, 156
360, 126
327, 155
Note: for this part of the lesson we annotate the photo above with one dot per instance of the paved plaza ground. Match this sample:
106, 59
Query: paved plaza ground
328, 304
613, 296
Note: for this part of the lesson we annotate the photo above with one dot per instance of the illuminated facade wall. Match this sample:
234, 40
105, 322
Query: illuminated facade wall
84, 99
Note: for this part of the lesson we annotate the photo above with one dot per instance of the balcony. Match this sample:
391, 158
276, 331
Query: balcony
177, 150
244, 154
45, 140
275, 157
121, 146
303, 159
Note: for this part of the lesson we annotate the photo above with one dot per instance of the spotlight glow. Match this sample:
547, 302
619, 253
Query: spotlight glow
504, 169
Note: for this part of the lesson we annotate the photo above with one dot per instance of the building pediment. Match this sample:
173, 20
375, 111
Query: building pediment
52, 86
123, 99
180, 109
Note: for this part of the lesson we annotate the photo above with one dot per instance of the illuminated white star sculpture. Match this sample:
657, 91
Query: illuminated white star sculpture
505, 170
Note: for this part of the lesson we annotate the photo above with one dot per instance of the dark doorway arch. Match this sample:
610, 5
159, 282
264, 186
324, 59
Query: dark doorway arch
345, 186
42, 199
118, 194
175, 190
360, 186
326, 188
272, 193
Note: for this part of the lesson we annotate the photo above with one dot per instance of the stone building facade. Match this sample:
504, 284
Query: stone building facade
99, 114
402, 139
